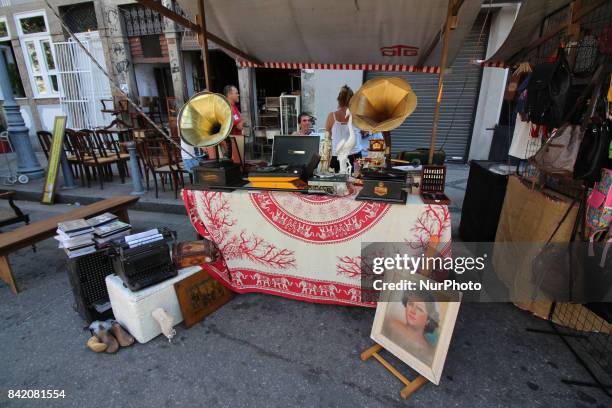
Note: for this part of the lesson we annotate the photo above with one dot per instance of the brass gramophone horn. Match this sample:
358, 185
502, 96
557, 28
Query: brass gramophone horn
205, 120
382, 104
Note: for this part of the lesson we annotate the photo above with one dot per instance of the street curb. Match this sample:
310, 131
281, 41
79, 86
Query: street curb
66, 198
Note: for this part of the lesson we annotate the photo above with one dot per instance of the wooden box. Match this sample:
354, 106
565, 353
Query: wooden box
433, 179
192, 253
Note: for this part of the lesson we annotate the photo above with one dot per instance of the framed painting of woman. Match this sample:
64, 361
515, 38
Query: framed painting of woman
417, 326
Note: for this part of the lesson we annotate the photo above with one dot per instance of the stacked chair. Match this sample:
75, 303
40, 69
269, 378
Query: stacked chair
95, 154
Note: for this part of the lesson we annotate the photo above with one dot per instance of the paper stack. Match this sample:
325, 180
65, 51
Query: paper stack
143, 238
75, 237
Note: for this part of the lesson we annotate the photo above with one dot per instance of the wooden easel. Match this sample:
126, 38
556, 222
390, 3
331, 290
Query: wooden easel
410, 386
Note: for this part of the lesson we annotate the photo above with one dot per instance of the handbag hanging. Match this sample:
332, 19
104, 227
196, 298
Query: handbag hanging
593, 153
558, 270
558, 155
548, 91
599, 204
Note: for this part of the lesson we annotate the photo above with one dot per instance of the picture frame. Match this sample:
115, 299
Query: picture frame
425, 355
199, 295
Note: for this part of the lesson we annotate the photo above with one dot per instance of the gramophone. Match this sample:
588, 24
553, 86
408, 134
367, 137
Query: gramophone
381, 105
206, 121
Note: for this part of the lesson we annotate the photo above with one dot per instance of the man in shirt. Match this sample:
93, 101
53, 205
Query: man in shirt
233, 97
305, 125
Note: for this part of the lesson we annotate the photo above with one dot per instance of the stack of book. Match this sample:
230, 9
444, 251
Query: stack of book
82, 237
107, 227
75, 237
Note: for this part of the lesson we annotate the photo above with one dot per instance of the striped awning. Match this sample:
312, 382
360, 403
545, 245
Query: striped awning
401, 35
362, 67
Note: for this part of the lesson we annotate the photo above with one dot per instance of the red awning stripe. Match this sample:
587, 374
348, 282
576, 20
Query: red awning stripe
494, 64
366, 67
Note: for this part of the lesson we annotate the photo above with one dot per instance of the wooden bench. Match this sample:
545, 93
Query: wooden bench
30, 234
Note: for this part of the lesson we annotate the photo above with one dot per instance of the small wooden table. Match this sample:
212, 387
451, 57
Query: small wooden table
30, 234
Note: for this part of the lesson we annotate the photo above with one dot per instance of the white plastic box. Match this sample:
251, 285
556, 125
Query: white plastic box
133, 309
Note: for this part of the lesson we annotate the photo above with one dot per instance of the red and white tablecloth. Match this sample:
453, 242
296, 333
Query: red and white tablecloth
305, 247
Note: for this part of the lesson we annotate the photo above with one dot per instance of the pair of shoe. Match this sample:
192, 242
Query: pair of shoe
107, 336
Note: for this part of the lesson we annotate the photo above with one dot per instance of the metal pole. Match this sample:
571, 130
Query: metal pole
67, 172
27, 163
204, 37
136, 181
443, 60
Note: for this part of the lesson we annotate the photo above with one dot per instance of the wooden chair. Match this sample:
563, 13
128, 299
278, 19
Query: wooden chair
162, 158
109, 142
116, 106
171, 107
78, 170
117, 124
150, 105
148, 163
93, 156
108, 106
46, 139
172, 118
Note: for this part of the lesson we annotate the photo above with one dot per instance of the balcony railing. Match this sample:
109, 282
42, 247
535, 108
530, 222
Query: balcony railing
140, 20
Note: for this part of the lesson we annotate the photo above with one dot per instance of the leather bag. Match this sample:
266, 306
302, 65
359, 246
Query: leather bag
592, 153
558, 155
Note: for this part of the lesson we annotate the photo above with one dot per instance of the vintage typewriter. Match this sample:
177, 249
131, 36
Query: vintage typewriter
145, 263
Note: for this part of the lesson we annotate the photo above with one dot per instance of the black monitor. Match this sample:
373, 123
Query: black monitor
294, 150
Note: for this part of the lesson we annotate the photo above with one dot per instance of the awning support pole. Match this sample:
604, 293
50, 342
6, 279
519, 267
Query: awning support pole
574, 32
423, 58
443, 60
203, 37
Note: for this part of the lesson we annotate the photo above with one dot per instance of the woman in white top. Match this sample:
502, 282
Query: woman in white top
337, 125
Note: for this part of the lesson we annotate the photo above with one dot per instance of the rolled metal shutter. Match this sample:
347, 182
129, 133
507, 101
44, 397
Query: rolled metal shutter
461, 88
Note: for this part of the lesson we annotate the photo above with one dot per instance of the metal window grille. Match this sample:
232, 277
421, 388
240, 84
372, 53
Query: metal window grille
80, 17
82, 86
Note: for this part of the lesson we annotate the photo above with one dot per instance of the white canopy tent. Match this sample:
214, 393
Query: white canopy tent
386, 34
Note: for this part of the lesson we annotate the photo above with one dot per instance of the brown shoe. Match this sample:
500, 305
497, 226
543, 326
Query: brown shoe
95, 345
107, 338
124, 338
